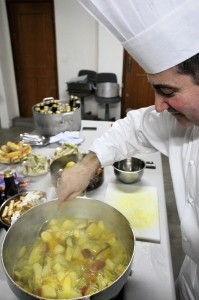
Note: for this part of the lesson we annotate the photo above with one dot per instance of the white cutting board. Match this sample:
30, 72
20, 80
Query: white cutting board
139, 204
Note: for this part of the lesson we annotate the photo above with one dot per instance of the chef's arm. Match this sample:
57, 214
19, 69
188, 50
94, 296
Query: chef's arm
76, 178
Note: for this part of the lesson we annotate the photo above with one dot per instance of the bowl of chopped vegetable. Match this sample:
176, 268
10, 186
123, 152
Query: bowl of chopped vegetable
64, 162
36, 165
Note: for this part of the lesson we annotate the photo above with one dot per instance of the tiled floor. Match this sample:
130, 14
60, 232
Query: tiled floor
174, 227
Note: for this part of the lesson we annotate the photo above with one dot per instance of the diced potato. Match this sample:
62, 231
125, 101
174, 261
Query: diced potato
92, 229
60, 258
73, 276
120, 269
18, 275
57, 268
46, 236
35, 255
68, 224
21, 251
111, 238
81, 224
69, 241
76, 252
52, 243
37, 269
101, 225
95, 248
69, 253
76, 233
50, 280
53, 222
67, 285
58, 249
48, 292
46, 270
102, 282
109, 264
61, 275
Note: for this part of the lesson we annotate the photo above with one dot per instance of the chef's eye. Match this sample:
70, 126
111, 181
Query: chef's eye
165, 92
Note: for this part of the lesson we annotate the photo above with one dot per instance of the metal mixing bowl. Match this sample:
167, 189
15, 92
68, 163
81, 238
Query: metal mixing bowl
57, 167
35, 198
129, 170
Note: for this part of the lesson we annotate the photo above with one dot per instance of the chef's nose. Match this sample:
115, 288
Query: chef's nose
160, 103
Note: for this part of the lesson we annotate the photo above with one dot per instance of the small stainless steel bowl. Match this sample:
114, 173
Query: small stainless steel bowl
57, 167
129, 170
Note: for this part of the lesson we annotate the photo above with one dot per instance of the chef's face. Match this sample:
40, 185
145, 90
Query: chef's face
178, 94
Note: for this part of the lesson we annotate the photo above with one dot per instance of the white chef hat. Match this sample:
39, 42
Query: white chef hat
158, 34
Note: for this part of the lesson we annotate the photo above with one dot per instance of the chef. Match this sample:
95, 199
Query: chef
163, 37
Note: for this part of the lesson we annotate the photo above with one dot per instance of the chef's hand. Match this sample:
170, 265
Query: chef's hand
76, 178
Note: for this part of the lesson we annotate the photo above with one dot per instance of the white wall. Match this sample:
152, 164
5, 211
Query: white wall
110, 59
81, 44
76, 38
8, 94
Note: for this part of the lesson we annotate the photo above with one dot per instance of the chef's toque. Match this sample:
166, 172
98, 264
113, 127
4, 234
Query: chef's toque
158, 34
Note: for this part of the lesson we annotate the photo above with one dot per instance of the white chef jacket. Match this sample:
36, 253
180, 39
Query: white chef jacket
143, 131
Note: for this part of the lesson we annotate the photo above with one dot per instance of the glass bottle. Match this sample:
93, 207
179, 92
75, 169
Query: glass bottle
11, 188
71, 101
2, 196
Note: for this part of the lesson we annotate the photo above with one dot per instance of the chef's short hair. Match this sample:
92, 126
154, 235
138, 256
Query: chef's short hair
190, 67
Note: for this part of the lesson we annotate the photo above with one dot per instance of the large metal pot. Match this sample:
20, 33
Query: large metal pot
52, 124
107, 89
28, 225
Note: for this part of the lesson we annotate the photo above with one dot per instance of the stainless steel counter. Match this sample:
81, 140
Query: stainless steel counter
152, 275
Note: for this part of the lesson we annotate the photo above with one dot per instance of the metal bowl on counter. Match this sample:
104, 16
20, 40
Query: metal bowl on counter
24, 232
59, 164
15, 206
129, 170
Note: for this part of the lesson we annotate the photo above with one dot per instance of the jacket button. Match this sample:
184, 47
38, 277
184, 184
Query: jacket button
191, 162
190, 200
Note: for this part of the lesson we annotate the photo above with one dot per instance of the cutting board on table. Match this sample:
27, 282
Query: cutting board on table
139, 204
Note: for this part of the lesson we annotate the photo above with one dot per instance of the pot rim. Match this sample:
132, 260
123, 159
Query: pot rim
130, 172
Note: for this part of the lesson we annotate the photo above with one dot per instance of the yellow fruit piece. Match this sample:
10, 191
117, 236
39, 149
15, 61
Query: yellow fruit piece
69, 164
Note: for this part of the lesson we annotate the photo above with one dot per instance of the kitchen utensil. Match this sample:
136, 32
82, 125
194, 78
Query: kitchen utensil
57, 167
26, 228
131, 170
107, 89
53, 216
52, 124
34, 139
